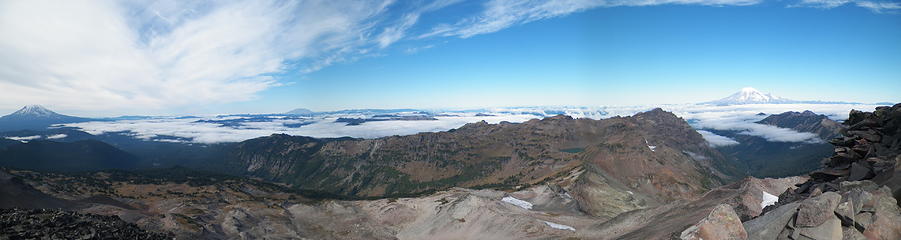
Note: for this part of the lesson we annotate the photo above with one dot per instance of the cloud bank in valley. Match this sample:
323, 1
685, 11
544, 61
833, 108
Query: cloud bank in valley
212, 130
717, 140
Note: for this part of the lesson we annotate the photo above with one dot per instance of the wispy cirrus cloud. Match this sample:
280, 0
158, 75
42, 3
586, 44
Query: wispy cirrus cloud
501, 14
98, 55
875, 6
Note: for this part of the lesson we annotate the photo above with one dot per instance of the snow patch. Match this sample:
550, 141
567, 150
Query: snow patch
559, 226
649, 146
517, 202
768, 199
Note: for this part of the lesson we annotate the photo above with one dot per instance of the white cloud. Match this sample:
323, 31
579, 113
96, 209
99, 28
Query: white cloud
744, 124
100, 55
24, 139
717, 140
875, 6
206, 132
57, 136
501, 14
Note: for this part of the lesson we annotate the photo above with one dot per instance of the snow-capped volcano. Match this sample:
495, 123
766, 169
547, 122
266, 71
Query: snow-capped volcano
35, 111
35, 117
750, 95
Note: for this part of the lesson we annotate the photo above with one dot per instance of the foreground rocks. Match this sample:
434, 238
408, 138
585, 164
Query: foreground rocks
55, 224
857, 209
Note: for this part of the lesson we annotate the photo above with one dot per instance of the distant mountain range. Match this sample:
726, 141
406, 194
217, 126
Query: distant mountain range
35, 117
750, 95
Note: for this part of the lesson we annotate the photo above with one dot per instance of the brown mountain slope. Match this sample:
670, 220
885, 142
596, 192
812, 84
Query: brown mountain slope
654, 152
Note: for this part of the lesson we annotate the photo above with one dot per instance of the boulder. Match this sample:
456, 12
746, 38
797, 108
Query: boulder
849, 233
769, 225
817, 210
721, 223
886, 222
828, 230
863, 220
860, 170
845, 212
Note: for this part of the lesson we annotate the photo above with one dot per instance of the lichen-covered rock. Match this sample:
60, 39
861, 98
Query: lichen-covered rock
828, 230
769, 225
817, 210
721, 223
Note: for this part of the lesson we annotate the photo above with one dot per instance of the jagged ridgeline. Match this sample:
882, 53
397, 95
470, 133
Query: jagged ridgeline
655, 151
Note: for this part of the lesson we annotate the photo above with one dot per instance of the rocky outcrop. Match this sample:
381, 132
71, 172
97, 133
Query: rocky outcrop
851, 211
55, 224
718, 212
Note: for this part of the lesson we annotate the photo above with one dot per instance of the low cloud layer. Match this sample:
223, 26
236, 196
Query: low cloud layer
717, 140
205, 132
212, 130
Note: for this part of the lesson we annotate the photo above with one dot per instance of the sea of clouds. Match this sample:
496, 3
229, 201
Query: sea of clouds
211, 129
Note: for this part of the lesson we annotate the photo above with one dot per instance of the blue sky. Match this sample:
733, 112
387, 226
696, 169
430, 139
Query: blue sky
161, 57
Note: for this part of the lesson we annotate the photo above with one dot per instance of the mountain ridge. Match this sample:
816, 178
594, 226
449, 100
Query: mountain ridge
499, 155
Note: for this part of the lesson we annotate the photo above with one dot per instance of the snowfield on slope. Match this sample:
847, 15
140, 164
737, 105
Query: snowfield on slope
768, 199
517, 202
559, 226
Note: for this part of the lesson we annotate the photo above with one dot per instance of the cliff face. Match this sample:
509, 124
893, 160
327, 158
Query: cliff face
650, 152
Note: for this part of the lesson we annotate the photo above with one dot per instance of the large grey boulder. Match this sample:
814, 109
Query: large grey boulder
721, 223
817, 210
828, 230
772, 223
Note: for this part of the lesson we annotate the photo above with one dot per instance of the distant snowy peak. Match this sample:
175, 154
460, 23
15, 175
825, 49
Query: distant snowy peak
35, 111
750, 95
300, 111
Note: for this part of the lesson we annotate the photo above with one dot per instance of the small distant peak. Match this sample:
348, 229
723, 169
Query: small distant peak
656, 113
300, 111
560, 117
